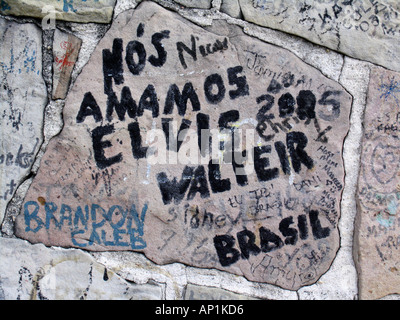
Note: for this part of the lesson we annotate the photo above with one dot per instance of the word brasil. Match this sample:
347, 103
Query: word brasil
269, 241
116, 226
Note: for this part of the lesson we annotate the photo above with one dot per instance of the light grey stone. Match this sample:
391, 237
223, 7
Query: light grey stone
201, 4
367, 30
123, 5
274, 221
99, 11
35, 272
240, 285
355, 78
231, 7
135, 267
194, 292
391, 297
23, 97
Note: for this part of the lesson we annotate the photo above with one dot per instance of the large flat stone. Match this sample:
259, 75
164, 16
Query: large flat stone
23, 96
110, 180
364, 29
34, 272
377, 251
84, 11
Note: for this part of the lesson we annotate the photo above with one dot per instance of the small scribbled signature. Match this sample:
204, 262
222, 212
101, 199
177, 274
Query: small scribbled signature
68, 5
390, 90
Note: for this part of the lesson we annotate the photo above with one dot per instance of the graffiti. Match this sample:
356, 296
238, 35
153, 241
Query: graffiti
4, 5
384, 163
390, 90
89, 220
225, 146
9, 190
205, 50
68, 5
269, 241
378, 188
21, 159
63, 60
24, 61
301, 108
332, 15
258, 63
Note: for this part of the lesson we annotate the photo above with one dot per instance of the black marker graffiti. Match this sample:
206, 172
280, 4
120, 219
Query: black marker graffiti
285, 105
269, 241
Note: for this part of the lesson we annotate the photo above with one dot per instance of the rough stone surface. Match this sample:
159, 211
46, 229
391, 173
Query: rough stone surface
135, 267
23, 97
34, 272
277, 209
194, 292
175, 277
340, 283
201, 4
363, 29
231, 7
377, 253
99, 11
177, 280
65, 53
233, 283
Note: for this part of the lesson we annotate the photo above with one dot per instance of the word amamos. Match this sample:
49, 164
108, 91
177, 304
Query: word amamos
216, 87
117, 226
269, 241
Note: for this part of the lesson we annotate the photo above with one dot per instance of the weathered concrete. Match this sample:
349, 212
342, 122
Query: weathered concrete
194, 292
23, 97
376, 248
34, 272
84, 11
202, 4
231, 7
362, 29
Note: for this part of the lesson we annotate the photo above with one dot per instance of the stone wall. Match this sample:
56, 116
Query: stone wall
213, 149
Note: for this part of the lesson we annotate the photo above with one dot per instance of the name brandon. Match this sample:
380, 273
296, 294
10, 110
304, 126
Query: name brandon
89, 224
